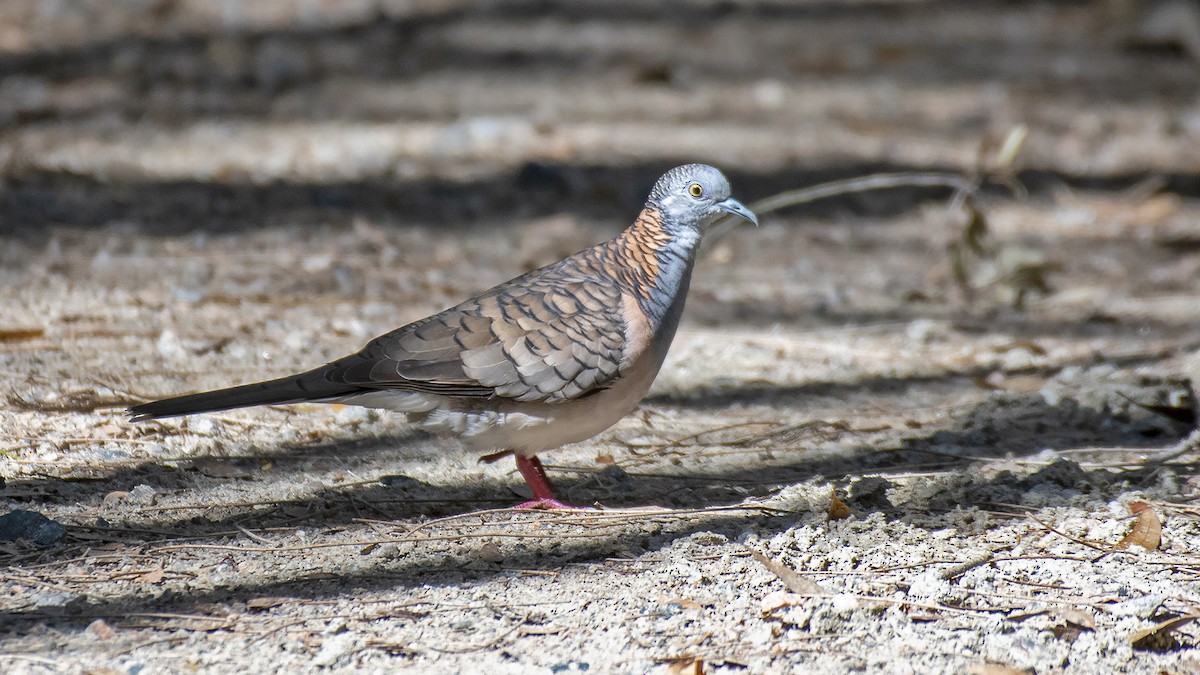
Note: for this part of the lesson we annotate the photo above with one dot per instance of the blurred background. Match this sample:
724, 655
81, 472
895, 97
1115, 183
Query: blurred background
199, 193
172, 115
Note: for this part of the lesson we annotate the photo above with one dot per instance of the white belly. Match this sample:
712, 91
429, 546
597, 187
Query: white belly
524, 428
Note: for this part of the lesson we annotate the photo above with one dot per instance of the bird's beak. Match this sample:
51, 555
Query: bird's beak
735, 208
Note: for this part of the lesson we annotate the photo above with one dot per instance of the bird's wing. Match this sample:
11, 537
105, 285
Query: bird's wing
543, 337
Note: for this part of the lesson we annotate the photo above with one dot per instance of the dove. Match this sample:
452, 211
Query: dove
552, 357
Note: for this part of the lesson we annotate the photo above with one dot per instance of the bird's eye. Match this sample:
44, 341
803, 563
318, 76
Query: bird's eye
696, 190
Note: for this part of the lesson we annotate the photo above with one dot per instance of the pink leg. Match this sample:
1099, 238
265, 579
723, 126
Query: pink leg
543, 492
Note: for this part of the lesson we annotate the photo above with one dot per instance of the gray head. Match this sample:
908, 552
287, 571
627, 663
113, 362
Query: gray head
695, 195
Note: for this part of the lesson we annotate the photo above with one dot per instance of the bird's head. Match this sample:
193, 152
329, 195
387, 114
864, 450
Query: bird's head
695, 195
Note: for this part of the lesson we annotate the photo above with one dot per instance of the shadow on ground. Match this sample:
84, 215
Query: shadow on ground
1001, 425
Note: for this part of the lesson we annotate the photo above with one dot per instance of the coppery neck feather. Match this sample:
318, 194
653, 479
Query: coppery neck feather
652, 262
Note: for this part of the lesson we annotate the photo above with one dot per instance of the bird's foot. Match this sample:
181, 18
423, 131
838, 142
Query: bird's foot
543, 490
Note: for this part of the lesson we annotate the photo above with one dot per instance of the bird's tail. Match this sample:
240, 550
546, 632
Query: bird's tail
310, 386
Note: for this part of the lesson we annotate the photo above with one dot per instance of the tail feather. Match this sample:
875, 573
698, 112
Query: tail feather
310, 386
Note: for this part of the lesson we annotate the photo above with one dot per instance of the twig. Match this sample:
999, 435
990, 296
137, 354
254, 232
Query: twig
878, 181
563, 518
1077, 540
790, 578
684, 441
262, 540
150, 643
966, 566
33, 658
290, 624
464, 649
1183, 447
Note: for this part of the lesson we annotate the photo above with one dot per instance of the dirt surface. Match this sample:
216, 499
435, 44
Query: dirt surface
195, 194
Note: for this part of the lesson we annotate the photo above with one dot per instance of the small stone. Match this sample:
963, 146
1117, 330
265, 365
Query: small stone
334, 648
616, 479
491, 552
203, 426
101, 629
402, 482
142, 495
113, 498
169, 346
31, 526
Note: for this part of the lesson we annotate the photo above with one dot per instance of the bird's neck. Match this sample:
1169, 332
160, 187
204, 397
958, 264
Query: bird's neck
658, 263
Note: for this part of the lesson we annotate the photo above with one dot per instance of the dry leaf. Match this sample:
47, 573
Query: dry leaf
1027, 615
790, 578
312, 640
1158, 638
154, 576
101, 629
838, 510
1011, 147
1147, 529
1020, 384
1157, 208
684, 603
1075, 622
1072, 621
779, 600
1065, 631
1079, 617
1016, 344
261, 604
14, 334
686, 666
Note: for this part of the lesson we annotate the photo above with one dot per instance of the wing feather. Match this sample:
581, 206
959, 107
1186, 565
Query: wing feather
543, 337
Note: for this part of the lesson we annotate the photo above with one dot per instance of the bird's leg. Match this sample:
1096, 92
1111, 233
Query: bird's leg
543, 491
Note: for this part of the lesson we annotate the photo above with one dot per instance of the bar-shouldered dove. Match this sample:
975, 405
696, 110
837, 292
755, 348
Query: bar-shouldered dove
551, 357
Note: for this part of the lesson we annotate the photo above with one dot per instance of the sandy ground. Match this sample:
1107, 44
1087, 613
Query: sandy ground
196, 194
